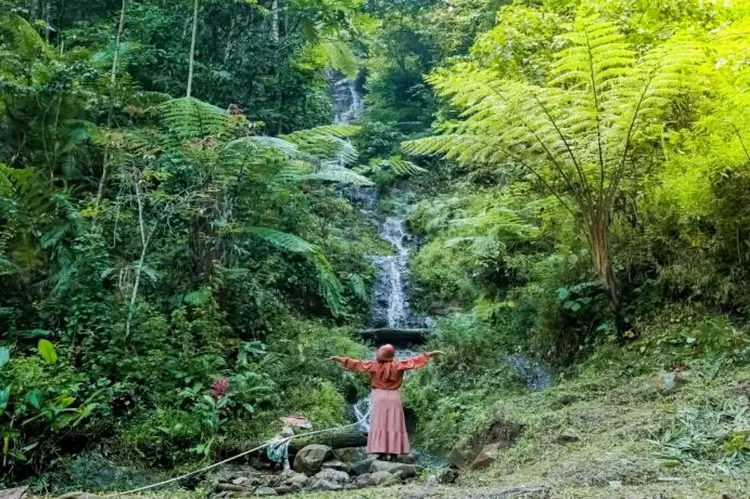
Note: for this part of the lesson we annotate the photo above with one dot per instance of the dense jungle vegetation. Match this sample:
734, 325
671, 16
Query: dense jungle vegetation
177, 262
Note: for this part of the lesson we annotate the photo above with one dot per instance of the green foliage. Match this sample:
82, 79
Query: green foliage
714, 432
39, 408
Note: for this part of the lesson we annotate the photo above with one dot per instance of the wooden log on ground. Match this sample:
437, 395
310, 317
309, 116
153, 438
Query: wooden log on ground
343, 440
402, 338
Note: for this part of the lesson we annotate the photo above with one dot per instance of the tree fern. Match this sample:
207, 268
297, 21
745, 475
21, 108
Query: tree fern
395, 165
329, 286
22, 36
191, 118
283, 240
580, 133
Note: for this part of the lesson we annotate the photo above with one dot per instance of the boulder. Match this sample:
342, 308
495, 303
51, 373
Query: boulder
295, 480
405, 470
337, 465
381, 478
334, 476
265, 491
363, 481
325, 485
486, 456
363, 466
463, 453
349, 455
310, 459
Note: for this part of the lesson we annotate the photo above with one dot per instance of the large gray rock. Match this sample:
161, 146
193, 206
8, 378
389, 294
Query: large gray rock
404, 470
381, 478
335, 476
295, 480
325, 485
337, 465
363, 466
310, 459
363, 481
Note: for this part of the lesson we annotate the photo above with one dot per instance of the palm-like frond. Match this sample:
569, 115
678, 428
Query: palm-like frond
24, 38
395, 165
575, 133
283, 240
329, 286
7, 267
190, 118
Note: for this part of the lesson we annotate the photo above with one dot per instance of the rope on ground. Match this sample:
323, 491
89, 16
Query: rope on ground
221, 463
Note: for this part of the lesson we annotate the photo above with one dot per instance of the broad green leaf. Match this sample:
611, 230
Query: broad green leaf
4, 356
34, 398
4, 397
47, 351
563, 293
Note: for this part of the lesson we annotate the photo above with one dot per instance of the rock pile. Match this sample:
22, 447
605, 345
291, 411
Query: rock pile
318, 468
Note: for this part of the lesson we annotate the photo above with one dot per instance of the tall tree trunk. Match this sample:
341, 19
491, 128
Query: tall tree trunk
145, 240
192, 50
110, 112
275, 22
601, 254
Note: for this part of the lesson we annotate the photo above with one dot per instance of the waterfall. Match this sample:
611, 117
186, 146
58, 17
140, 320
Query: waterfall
347, 100
390, 304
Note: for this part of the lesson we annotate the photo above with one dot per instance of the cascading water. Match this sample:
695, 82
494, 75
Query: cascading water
390, 305
347, 100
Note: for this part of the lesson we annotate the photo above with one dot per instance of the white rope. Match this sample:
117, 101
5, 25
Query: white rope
220, 463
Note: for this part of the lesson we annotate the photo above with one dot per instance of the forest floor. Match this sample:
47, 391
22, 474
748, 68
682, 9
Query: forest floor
667, 417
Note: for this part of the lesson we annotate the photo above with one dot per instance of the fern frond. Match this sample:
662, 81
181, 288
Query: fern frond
7, 267
333, 172
573, 134
191, 118
357, 285
340, 56
329, 286
23, 37
282, 240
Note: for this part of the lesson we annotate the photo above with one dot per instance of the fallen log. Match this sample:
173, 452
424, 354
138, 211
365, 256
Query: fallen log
402, 338
344, 440
333, 440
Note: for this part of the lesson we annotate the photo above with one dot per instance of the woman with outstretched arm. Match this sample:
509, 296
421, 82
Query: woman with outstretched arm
387, 434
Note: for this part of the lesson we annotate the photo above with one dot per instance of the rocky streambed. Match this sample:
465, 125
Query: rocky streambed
321, 468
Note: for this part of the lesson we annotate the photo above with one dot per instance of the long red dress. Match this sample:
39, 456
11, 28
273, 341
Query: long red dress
387, 426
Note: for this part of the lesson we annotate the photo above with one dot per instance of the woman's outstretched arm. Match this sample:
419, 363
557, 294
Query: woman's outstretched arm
417, 361
358, 366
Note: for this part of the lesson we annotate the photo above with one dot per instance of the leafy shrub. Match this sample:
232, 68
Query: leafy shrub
39, 408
